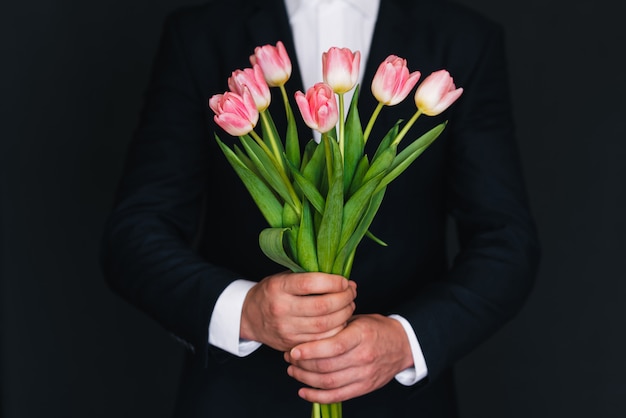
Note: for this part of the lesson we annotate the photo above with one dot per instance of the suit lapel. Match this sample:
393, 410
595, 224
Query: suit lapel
392, 29
394, 33
402, 29
268, 23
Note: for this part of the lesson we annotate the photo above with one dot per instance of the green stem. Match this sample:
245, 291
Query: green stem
297, 204
373, 118
316, 412
406, 128
342, 124
273, 141
332, 410
283, 91
329, 157
263, 145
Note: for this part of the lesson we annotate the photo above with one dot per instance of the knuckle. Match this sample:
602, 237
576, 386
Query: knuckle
274, 286
320, 305
276, 309
328, 381
339, 347
304, 283
320, 324
282, 330
324, 366
367, 357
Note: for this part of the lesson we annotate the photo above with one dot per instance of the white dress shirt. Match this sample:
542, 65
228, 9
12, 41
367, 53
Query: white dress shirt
308, 18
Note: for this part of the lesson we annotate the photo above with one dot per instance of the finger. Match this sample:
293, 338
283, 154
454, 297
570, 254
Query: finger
346, 340
318, 305
332, 396
323, 326
315, 283
326, 381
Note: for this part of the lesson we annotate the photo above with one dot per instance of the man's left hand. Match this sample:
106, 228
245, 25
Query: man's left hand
361, 358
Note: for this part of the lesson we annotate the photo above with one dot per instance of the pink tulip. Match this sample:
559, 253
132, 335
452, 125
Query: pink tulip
235, 114
274, 62
392, 82
319, 107
340, 68
436, 93
251, 79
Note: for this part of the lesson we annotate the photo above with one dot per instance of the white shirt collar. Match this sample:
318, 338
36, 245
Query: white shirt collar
368, 8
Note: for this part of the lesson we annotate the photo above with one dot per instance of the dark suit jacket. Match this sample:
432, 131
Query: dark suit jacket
183, 226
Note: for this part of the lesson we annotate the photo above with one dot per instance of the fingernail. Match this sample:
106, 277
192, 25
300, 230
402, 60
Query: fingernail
295, 353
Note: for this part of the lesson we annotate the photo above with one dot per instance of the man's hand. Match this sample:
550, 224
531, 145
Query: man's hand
287, 309
361, 358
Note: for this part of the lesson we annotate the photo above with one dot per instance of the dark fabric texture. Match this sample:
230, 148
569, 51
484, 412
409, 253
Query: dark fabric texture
184, 227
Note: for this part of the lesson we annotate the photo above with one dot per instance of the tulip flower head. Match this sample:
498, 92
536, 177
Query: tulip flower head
236, 114
436, 93
318, 107
253, 80
392, 82
340, 68
274, 62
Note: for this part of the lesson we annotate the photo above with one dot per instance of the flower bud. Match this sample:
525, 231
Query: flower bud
436, 93
235, 114
318, 107
340, 68
274, 62
392, 81
253, 80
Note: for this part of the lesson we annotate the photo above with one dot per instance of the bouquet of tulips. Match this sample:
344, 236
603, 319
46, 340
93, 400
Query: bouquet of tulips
320, 202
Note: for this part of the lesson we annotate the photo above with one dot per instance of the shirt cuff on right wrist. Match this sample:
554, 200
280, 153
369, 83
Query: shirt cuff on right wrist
226, 320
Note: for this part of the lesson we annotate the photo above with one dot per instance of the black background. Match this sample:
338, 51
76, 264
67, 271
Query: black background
72, 74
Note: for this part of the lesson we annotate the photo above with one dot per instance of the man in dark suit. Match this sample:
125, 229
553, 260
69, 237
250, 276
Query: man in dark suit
184, 229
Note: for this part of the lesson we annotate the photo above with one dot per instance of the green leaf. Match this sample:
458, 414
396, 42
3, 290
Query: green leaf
266, 166
388, 139
330, 226
246, 161
291, 220
355, 208
306, 246
271, 243
359, 174
309, 189
290, 217
292, 142
264, 198
376, 239
269, 131
345, 256
382, 163
354, 143
309, 149
410, 154
316, 167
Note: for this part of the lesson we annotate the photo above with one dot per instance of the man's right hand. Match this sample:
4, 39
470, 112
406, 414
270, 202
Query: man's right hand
287, 309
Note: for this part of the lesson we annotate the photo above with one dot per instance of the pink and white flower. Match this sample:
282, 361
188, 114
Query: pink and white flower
236, 114
253, 80
436, 93
392, 81
274, 62
340, 68
318, 107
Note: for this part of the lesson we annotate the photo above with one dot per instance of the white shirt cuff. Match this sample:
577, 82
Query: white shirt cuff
412, 375
226, 320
